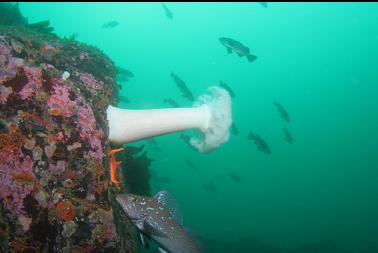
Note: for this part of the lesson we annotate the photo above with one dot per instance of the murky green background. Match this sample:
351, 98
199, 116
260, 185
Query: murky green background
320, 61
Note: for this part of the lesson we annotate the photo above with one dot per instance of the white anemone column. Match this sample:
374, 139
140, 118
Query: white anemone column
211, 115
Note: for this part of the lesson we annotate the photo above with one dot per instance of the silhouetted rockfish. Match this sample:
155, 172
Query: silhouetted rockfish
228, 88
260, 143
282, 111
288, 136
238, 48
172, 102
182, 86
168, 12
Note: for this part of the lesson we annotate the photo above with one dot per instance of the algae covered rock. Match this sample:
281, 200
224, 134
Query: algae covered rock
55, 193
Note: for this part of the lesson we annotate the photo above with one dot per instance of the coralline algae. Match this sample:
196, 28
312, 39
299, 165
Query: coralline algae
55, 194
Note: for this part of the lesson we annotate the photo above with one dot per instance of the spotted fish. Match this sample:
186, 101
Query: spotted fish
160, 219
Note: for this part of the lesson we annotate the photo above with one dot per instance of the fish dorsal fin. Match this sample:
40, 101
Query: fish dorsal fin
169, 203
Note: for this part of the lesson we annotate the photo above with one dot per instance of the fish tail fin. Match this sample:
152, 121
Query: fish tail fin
251, 57
197, 244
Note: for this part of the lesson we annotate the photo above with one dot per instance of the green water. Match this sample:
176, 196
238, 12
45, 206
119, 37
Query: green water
318, 60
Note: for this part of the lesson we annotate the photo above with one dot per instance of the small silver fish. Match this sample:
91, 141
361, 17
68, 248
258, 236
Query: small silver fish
160, 219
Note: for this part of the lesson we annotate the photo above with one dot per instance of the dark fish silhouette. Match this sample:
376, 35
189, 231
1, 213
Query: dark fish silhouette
159, 179
182, 86
168, 12
260, 143
73, 36
163, 180
228, 88
186, 139
122, 79
160, 219
155, 148
234, 128
172, 102
282, 111
124, 72
123, 75
235, 177
124, 99
42, 26
238, 48
152, 141
190, 164
288, 136
264, 4
131, 150
209, 187
110, 24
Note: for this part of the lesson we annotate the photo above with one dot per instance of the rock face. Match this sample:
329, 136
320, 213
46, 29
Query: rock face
55, 193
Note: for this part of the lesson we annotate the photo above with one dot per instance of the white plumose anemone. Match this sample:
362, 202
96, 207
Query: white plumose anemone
211, 115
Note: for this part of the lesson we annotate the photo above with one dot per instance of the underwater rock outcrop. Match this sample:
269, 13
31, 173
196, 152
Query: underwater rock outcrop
55, 191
